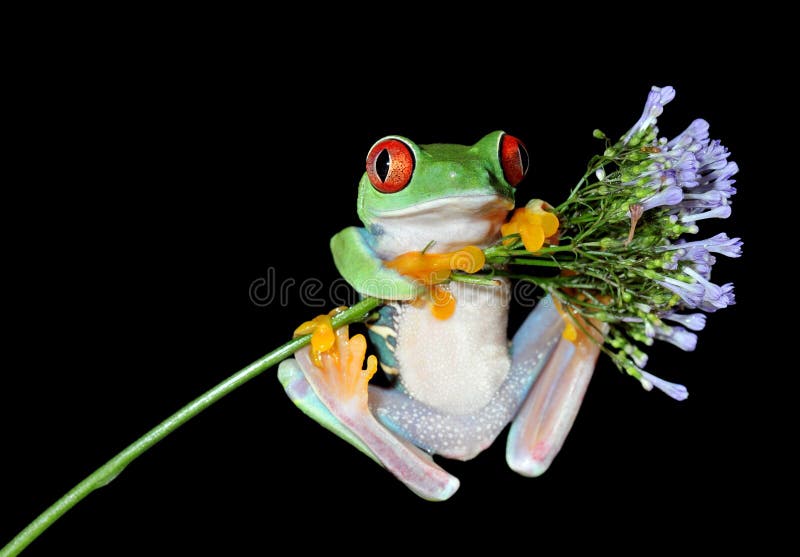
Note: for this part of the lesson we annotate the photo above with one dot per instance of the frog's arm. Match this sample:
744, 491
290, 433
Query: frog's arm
360, 266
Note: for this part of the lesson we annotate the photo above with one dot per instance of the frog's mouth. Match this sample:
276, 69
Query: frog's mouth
453, 206
449, 222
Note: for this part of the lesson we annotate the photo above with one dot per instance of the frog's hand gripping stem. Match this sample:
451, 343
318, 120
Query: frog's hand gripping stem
360, 266
546, 417
335, 395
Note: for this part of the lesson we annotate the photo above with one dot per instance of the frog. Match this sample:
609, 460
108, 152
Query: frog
455, 380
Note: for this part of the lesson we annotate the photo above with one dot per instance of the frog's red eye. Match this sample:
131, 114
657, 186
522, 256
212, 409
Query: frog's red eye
514, 159
390, 164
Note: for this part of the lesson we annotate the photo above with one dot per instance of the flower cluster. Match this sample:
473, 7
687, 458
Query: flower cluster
623, 254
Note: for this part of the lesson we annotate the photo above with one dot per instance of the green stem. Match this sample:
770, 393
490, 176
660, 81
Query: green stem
111, 469
473, 279
534, 262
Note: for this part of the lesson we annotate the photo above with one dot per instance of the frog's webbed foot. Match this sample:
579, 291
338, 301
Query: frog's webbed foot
334, 393
545, 418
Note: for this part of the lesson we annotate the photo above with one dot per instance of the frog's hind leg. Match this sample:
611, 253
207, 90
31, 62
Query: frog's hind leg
463, 436
546, 417
334, 393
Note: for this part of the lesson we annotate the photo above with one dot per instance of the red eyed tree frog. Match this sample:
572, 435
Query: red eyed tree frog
457, 381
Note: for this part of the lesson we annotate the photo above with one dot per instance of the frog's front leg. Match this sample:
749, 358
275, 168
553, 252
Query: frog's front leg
546, 417
365, 271
331, 387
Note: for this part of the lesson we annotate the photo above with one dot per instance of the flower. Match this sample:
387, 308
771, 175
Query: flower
692, 138
690, 293
623, 251
678, 336
675, 390
714, 297
721, 212
721, 243
653, 108
693, 321
671, 195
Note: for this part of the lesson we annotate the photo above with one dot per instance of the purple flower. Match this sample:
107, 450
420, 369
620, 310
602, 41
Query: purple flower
656, 99
699, 258
693, 321
708, 199
721, 212
725, 299
678, 336
696, 254
724, 186
721, 243
671, 195
670, 168
675, 390
681, 182
714, 297
693, 139
693, 163
712, 156
703, 269
690, 293
639, 358
724, 173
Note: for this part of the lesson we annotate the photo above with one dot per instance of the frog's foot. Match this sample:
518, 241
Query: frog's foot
463, 436
535, 223
333, 392
547, 415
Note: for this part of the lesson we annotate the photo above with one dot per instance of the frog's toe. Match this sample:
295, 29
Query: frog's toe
335, 395
545, 418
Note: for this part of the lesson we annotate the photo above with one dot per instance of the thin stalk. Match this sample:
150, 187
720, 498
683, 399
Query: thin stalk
111, 469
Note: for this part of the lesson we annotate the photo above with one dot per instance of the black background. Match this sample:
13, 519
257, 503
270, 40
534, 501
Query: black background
174, 181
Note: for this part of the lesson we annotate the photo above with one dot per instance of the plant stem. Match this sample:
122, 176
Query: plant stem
474, 279
111, 469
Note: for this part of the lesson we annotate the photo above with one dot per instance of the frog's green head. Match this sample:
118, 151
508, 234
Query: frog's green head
452, 195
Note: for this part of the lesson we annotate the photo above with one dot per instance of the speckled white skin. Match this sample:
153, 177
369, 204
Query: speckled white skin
455, 365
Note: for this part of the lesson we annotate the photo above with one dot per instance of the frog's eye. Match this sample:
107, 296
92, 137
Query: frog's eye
390, 164
513, 158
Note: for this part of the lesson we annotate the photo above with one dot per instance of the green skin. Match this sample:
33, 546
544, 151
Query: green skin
442, 172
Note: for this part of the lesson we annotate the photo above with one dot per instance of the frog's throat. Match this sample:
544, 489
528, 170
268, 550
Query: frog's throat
450, 223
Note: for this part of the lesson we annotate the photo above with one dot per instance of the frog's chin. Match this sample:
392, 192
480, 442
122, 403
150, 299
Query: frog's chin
446, 224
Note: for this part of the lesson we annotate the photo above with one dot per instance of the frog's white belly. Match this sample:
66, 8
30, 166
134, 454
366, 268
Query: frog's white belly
457, 364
